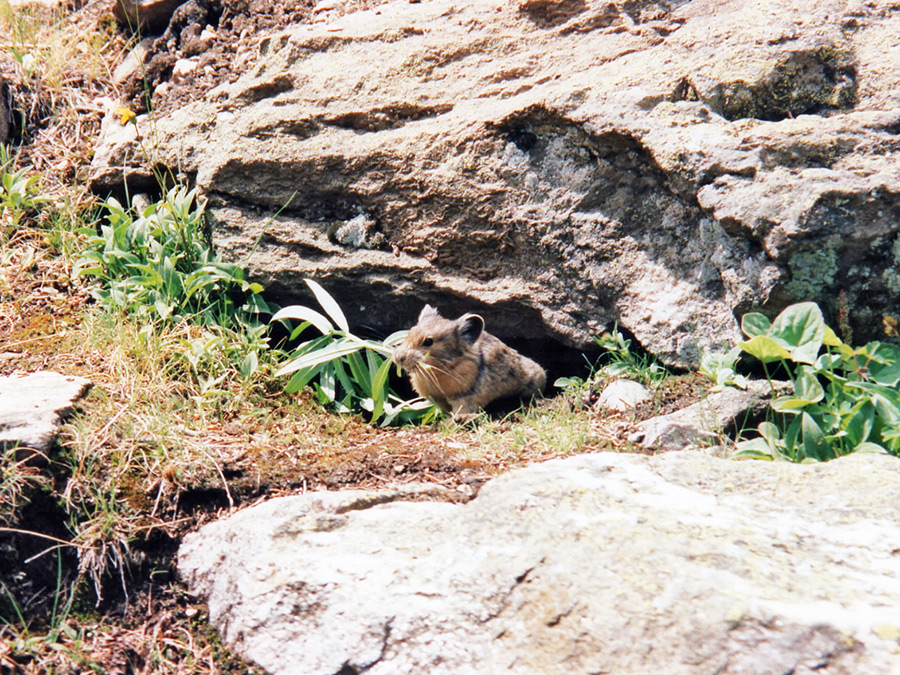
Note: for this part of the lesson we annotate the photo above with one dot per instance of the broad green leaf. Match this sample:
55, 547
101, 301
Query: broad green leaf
348, 384
408, 410
870, 447
302, 327
814, 444
765, 349
769, 432
806, 385
885, 399
379, 389
80, 271
329, 304
327, 384
884, 368
377, 347
373, 363
831, 339
756, 448
754, 324
361, 374
714, 363
800, 325
334, 351
256, 305
806, 353
305, 314
321, 396
301, 378
827, 363
827, 418
395, 338
312, 345
860, 424
788, 404
792, 439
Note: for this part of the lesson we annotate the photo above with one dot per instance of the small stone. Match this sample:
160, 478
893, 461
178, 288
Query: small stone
33, 406
131, 64
703, 422
183, 68
622, 395
358, 232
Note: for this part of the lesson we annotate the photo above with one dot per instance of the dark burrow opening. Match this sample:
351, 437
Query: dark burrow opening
34, 568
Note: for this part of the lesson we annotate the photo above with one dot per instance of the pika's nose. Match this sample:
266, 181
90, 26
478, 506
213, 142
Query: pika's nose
399, 355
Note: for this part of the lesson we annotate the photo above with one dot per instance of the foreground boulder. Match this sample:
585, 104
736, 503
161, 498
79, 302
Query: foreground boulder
678, 563
559, 166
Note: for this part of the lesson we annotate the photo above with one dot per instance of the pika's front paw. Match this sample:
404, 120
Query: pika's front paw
465, 418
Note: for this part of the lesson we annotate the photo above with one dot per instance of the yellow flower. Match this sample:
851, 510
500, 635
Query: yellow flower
125, 115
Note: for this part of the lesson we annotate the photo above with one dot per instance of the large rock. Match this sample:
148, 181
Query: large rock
560, 165
678, 563
33, 406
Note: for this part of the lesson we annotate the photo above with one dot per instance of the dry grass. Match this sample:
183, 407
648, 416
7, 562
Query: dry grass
59, 66
177, 640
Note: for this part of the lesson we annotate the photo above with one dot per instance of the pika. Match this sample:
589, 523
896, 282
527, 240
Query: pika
461, 367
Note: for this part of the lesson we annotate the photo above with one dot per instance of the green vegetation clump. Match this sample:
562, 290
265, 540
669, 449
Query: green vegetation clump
347, 373
20, 196
845, 399
619, 360
159, 266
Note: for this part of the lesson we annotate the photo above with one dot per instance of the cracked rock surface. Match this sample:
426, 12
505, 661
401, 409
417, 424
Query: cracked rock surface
676, 563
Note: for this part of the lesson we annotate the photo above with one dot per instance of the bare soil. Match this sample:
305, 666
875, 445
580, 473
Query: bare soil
237, 26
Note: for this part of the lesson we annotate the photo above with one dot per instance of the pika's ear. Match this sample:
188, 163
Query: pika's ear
428, 311
470, 327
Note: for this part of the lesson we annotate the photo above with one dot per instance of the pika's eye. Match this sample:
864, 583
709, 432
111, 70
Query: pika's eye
427, 342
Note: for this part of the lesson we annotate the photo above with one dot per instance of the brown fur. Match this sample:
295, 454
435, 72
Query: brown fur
461, 367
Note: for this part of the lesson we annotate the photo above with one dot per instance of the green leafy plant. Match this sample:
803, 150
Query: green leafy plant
625, 362
347, 373
844, 399
161, 264
20, 195
721, 368
619, 361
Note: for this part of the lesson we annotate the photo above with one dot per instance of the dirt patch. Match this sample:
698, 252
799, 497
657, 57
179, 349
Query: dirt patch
38, 304
216, 42
674, 393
